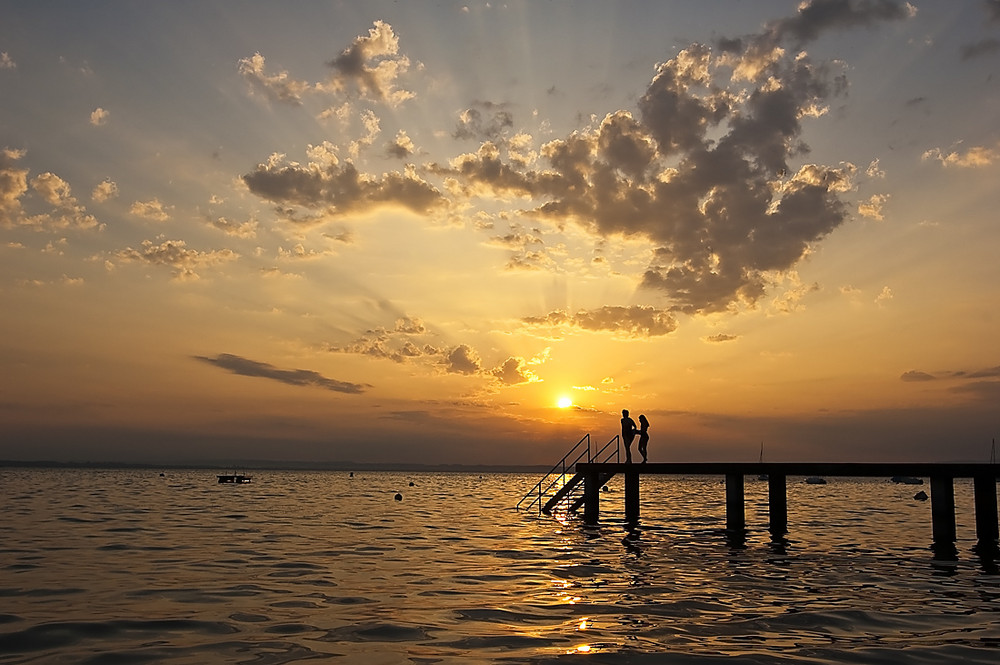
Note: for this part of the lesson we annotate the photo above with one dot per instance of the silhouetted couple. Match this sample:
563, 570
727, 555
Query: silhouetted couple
629, 431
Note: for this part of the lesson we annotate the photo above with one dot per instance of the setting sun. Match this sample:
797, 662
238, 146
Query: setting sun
565, 402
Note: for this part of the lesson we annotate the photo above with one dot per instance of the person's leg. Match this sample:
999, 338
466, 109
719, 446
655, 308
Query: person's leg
628, 451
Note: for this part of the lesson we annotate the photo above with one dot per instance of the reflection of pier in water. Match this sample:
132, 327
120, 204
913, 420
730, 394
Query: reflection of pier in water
942, 476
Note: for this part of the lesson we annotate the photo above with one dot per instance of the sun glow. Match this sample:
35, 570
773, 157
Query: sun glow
565, 402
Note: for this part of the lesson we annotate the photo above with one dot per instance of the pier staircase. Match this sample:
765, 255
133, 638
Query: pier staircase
561, 489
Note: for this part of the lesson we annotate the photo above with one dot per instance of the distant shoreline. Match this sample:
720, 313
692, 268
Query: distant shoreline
260, 465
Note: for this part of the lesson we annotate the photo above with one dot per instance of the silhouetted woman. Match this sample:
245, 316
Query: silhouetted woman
643, 436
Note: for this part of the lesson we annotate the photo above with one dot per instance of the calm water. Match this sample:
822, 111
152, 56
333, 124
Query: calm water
131, 567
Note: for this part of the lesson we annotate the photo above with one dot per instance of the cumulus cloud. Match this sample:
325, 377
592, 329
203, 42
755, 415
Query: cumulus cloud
872, 208
402, 147
703, 170
483, 121
710, 167
67, 213
636, 321
976, 156
341, 189
278, 87
292, 377
99, 117
13, 184
153, 209
175, 254
246, 230
372, 65
6, 62
104, 191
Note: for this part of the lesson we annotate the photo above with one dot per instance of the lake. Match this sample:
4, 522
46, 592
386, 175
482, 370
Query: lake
131, 566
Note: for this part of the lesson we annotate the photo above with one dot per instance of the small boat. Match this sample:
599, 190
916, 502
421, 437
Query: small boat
815, 480
234, 477
762, 476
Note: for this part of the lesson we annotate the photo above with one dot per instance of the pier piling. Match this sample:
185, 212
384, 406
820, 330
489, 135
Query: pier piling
941, 476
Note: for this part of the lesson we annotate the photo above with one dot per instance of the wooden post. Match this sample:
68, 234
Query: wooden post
986, 511
943, 509
777, 504
591, 497
631, 496
736, 519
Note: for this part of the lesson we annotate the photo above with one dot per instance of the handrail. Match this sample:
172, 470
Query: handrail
537, 493
616, 452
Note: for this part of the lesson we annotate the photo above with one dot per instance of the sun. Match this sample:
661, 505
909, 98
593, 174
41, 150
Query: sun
564, 402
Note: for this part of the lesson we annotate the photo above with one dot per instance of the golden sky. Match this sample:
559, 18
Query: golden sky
473, 233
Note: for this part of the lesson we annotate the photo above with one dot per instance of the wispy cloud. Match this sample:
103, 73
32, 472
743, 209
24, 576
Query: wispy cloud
293, 377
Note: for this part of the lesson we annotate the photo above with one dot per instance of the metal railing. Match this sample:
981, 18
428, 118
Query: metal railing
614, 453
538, 493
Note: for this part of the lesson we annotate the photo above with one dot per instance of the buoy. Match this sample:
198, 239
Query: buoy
399, 497
920, 496
411, 483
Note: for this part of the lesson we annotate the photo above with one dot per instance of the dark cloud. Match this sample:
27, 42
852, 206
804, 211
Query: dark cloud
989, 372
340, 188
992, 10
293, 377
485, 121
721, 337
635, 321
916, 376
980, 48
703, 172
463, 359
819, 16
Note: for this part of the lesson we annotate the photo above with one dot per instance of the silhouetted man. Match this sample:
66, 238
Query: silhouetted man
628, 434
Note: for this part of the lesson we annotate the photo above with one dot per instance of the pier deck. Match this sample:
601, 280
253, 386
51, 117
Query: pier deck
941, 476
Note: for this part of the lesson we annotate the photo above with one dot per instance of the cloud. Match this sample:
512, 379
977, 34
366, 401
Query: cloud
341, 189
104, 191
974, 157
99, 117
485, 121
372, 65
702, 172
67, 213
702, 169
980, 48
721, 337
154, 210
872, 208
884, 295
916, 376
175, 254
401, 147
463, 359
292, 377
246, 230
13, 185
633, 322
819, 16
276, 87
6, 62
514, 371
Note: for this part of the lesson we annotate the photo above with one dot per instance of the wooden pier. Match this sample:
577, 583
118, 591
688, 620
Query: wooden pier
942, 494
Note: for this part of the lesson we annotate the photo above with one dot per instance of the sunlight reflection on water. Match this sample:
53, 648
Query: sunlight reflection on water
128, 566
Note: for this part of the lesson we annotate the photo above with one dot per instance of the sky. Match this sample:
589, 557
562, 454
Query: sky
473, 233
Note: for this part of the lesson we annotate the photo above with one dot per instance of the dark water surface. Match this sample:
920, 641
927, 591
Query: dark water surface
130, 567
